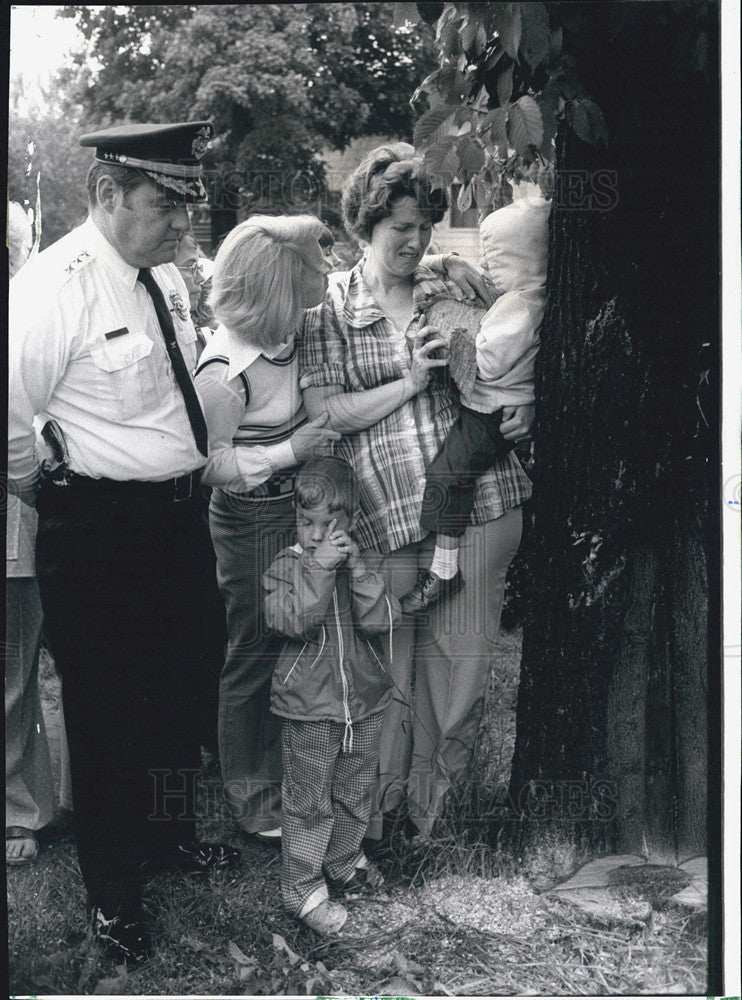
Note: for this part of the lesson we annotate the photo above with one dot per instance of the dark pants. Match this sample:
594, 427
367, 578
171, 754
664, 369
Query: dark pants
247, 536
127, 589
472, 446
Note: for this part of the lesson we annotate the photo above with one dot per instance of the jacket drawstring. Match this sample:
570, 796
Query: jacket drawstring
391, 630
348, 734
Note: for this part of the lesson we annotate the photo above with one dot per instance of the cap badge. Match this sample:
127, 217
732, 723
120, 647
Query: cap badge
201, 142
177, 305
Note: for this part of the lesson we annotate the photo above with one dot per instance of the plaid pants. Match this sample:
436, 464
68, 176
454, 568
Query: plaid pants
326, 805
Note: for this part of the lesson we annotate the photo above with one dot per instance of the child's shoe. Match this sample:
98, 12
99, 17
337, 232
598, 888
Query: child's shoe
429, 591
365, 879
326, 918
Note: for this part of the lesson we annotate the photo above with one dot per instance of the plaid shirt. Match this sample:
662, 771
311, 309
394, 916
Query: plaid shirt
348, 341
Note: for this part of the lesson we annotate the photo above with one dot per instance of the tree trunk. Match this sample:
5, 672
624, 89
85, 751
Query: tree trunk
626, 752
614, 678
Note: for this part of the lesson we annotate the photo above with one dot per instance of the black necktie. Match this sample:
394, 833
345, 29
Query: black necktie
193, 407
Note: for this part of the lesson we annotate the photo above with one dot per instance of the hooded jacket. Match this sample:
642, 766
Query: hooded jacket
515, 242
332, 665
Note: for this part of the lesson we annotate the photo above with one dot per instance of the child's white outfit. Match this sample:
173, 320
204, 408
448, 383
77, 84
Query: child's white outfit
331, 686
514, 244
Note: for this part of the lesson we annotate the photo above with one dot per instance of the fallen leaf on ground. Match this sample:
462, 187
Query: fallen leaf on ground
596, 873
279, 943
695, 894
239, 956
399, 986
115, 986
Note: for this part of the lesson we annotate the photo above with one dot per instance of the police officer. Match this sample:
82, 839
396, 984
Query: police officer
101, 350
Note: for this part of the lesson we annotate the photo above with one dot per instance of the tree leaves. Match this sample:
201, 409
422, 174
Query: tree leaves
505, 85
447, 32
430, 123
471, 156
525, 126
441, 162
280, 81
506, 21
509, 55
406, 12
535, 44
464, 197
496, 123
586, 119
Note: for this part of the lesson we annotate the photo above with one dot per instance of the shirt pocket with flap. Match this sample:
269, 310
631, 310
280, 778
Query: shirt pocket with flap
126, 378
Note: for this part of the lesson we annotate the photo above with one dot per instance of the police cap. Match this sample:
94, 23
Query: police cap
167, 154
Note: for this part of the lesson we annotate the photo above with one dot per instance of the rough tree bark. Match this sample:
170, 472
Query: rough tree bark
623, 550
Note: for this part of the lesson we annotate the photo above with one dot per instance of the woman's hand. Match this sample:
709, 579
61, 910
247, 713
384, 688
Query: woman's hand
313, 439
517, 422
471, 281
422, 364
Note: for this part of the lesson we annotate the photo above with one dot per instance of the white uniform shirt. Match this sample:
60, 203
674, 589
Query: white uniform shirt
85, 347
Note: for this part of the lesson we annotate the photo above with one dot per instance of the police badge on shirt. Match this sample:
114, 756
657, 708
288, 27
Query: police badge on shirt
178, 306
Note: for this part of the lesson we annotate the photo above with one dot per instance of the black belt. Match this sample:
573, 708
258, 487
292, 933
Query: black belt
126, 490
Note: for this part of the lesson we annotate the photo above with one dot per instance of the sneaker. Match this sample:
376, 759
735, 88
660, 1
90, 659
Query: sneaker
122, 940
201, 856
269, 838
326, 918
429, 591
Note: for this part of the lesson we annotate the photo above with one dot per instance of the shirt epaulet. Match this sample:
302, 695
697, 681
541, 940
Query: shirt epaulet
76, 264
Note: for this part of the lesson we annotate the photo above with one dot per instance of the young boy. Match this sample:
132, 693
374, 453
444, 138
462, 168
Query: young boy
331, 686
514, 243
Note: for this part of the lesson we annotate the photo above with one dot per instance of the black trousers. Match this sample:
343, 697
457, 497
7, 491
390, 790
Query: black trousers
130, 603
473, 445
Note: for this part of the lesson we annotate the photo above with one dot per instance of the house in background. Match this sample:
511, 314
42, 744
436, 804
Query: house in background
458, 231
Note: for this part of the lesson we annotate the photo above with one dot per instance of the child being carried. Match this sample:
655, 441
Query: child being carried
491, 359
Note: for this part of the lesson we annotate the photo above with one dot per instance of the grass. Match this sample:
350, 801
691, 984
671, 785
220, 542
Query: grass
459, 917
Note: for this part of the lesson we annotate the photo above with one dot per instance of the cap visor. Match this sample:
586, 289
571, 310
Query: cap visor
190, 189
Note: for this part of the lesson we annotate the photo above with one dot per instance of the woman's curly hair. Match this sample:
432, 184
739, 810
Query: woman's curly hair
387, 174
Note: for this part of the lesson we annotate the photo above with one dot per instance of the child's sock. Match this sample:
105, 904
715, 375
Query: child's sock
445, 562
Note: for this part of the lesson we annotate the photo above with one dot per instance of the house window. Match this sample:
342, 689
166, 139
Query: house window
463, 220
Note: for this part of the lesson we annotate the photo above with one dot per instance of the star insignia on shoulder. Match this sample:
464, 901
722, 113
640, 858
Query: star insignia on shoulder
77, 262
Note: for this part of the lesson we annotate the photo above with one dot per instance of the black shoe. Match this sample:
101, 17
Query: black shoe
363, 882
122, 940
430, 590
201, 856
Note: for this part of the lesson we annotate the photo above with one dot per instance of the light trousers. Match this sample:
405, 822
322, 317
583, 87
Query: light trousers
326, 806
29, 782
440, 669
